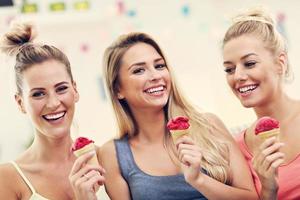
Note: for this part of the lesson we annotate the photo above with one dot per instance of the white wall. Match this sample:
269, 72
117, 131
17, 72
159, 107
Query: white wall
192, 44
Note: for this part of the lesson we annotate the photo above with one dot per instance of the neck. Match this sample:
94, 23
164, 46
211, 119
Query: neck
49, 150
151, 125
279, 108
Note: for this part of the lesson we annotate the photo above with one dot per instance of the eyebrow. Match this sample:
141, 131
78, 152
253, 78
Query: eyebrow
242, 58
56, 85
143, 63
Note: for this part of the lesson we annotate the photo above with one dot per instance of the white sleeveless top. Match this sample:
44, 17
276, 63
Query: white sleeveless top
34, 196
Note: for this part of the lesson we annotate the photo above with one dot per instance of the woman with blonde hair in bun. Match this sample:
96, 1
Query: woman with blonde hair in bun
47, 93
256, 66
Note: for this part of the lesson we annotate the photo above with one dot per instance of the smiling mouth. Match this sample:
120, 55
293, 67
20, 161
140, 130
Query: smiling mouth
247, 89
53, 117
155, 90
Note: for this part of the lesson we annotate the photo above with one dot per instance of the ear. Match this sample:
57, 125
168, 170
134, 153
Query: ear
76, 91
282, 63
20, 103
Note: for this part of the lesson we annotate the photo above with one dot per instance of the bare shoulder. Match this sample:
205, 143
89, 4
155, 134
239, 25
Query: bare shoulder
115, 185
10, 181
107, 153
7, 170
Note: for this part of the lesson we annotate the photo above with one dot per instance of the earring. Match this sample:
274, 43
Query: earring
120, 96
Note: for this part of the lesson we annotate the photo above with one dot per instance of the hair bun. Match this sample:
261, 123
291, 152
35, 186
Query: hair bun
259, 14
19, 34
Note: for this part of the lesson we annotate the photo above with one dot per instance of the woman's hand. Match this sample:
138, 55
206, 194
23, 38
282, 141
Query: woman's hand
266, 162
85, 178
190, 156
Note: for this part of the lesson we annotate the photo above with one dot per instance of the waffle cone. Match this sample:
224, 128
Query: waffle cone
178, 133
267, 134
86, 149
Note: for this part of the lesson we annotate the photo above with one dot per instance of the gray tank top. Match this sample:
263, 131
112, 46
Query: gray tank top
143, 186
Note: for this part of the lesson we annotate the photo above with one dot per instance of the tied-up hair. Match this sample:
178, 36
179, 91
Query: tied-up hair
18, 42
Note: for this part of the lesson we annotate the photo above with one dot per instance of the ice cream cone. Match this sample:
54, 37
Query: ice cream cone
178, 133
271, 133
178, 127
86, 149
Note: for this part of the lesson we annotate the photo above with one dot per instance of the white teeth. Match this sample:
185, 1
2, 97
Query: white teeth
54, 116
247, 88
157, 89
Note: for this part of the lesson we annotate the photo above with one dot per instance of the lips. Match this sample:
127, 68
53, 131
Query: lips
247, 88
54, 116
154, 90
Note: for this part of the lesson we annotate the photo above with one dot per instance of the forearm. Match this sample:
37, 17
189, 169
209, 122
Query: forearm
213, 189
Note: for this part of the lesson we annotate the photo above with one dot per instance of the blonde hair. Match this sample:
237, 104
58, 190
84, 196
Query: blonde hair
18, 41
215, 151
257, 21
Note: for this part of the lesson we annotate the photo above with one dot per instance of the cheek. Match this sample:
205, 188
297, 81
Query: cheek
229, 80
166, 76
34, 107
69, 99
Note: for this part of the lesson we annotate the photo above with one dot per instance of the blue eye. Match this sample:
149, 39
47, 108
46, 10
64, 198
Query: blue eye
160, 66
229, 70
61, 89
38, 94
250, 64
138, 71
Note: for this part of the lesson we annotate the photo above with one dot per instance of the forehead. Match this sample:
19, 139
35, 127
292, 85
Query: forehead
140, 52
45, 74
243, 45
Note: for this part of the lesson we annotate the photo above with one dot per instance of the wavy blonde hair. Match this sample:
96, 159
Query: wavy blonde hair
18, 42
260, 23
215, 160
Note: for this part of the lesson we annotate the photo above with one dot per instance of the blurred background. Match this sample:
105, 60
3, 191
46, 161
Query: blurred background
189, 31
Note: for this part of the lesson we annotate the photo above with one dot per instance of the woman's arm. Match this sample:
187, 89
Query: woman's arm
242, 185
115, 185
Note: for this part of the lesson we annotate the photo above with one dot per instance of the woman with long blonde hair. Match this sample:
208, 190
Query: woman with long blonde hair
144, 163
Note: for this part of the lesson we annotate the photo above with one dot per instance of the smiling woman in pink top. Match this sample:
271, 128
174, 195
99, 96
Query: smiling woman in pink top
256, 65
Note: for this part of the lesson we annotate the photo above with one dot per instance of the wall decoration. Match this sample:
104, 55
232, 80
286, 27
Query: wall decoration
81, 5
281, 20
185, 10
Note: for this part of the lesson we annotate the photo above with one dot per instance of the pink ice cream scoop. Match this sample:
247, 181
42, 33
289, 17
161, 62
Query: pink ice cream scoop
267, 127
83, 145
80, 143
178, 126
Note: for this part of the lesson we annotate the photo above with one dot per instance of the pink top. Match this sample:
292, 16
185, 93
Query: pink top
288, 174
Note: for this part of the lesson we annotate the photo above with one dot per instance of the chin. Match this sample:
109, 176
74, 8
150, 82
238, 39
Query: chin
60, 133
248, 104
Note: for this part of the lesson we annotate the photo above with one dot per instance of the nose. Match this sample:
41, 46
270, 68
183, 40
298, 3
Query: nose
240, 74
155, 74
53, 101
